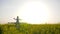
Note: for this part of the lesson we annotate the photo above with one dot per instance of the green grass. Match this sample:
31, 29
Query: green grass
30, 29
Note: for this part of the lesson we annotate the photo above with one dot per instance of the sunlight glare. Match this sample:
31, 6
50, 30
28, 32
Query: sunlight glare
33, 12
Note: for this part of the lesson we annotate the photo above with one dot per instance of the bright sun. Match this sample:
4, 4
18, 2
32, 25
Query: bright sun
33, 12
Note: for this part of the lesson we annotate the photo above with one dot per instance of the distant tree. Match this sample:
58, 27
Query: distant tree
0, 30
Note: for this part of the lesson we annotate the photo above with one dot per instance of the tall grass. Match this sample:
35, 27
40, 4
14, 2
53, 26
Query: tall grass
30, 29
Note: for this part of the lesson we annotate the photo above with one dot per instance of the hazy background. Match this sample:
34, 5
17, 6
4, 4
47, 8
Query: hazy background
10, 9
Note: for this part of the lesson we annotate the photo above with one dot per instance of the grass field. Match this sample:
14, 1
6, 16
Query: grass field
30, 29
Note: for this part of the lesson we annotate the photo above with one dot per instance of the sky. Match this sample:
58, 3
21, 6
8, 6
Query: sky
31, 11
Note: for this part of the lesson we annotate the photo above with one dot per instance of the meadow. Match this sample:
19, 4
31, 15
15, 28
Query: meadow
25, 28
